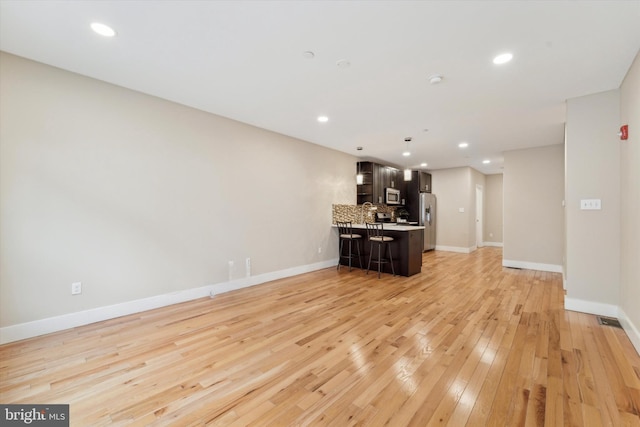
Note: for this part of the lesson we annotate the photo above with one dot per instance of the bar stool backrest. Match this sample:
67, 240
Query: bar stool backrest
375, 233
344, 229
375, 230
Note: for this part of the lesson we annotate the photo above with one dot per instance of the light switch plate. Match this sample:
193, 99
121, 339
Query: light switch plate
590, 204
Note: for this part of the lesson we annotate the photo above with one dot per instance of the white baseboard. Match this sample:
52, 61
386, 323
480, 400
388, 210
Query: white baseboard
468, 250
496, 244
532, 266
455, 249
591, 307
608, 310
66, 321
632, 331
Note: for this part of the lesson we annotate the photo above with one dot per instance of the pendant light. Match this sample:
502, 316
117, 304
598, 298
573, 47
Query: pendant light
407, 153
359, 176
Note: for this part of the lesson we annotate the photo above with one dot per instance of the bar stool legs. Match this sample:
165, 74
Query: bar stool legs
345, 233
380, 260
350, 253
375, 232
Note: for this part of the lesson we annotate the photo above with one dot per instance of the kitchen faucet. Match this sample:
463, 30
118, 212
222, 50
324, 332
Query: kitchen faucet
362, 210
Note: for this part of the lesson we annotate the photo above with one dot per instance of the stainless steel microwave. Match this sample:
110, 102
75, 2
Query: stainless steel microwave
392, 196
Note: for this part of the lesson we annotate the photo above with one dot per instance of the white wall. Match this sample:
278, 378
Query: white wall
533, 213
493, 219
593, 172
136, 197
451, 187
630, 204
455, 190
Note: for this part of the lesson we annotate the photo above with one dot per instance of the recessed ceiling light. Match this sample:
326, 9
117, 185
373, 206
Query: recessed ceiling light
406, 153
343, 63
424, 165
308, 54
463, 145
503, 58
102, 29
323, 119
486, 162
435, 79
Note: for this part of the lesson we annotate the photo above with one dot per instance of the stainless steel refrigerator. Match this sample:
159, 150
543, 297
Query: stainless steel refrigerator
428, 219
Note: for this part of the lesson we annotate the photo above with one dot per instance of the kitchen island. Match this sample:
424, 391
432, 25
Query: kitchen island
406, 248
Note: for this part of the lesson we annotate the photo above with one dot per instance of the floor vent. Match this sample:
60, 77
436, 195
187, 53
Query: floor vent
609, 321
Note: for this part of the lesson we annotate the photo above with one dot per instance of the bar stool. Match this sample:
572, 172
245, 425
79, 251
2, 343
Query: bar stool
345, 233
375, 233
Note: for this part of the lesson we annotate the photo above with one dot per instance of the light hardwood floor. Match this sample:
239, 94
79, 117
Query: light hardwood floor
465, 343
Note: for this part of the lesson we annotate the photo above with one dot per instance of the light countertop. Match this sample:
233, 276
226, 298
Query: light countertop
389, 226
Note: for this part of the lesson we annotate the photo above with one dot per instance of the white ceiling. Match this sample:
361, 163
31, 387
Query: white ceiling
244, 60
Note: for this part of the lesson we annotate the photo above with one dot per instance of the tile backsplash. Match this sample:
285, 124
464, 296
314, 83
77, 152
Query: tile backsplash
354, 213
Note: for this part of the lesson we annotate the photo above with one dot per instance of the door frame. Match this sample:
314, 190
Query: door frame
479, 216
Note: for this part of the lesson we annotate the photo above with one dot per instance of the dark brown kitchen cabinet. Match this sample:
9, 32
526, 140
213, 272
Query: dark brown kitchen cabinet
378, 183
425, 182
407, 251
366, 190
376, 178
393, 178
420, 183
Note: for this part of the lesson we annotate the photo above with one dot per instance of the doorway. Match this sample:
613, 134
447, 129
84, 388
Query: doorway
479, 219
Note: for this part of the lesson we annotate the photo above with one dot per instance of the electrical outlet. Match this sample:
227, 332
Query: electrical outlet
247, 264
76, 288
320, 250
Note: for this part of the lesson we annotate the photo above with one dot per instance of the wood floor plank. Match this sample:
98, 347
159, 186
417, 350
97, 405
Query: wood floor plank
466, 342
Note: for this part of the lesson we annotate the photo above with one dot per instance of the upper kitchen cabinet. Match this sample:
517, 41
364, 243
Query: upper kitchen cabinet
420, 183
393, 178
425, 182
376, 178
366, 191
